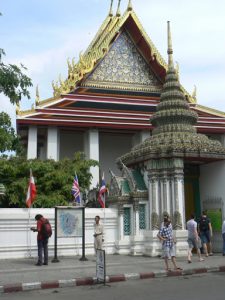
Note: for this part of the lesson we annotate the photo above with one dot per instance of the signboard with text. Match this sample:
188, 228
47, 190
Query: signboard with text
100, 265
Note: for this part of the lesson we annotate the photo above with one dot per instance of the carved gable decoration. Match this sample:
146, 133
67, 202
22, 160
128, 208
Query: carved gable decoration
123, 67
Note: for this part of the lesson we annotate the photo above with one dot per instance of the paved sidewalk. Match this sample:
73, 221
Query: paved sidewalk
22, 274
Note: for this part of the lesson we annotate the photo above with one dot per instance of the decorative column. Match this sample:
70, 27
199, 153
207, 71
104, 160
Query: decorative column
165, 194
91, 147
136, 218
179, 208
122, 245
121, 223
32, 142
53, 143
154, 201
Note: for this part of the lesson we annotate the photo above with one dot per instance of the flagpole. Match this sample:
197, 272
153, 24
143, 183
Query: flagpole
28, 227
29, 234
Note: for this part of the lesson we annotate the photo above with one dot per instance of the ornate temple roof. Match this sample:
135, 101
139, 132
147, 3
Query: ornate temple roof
174, 134
109, 87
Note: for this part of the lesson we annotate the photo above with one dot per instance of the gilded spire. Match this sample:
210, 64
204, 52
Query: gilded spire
118, 14
111, 10
170, 49
37, 99
130, 8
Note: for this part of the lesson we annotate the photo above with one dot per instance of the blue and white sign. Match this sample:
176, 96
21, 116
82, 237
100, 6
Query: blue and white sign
69, 222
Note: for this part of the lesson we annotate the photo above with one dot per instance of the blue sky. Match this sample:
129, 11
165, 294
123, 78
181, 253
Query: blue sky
42, 34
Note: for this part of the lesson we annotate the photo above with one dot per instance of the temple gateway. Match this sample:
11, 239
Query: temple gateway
124, 106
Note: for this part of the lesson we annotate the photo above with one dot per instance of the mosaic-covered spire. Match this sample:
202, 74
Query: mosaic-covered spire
173, 114
174, 134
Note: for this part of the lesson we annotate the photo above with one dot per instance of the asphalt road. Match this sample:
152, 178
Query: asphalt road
202, 287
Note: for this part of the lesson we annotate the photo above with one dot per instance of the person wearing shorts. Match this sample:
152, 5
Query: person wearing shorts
205, 233
193, 239
168, 245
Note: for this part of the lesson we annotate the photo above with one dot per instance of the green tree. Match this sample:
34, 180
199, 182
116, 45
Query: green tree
8, 138
13, 82
53, 180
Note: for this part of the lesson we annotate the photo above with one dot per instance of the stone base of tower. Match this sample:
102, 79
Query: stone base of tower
152, 245
122, 246
181, 242
137, 245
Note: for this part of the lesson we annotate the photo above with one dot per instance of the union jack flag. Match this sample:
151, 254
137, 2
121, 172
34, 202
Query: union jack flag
101, 194
76, 190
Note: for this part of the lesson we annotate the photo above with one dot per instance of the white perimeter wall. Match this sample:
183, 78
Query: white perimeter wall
17, 241
212, 186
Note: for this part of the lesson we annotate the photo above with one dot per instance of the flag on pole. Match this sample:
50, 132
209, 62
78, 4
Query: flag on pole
31, 192
101, 195
76, 190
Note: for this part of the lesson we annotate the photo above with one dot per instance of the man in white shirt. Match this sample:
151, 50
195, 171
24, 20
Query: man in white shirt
223, 233
98, 234
193, 238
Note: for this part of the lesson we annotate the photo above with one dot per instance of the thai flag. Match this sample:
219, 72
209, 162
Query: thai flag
31, 192
76, 190
101, 195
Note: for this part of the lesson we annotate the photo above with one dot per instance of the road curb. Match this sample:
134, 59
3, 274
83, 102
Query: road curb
32, 286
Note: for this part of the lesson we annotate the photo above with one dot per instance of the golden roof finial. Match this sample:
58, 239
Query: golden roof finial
111, 10
194, 93
37, 99
118, 14
170, 49
130, 8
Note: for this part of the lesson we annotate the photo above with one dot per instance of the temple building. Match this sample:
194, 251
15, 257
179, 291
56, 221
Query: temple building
122, 104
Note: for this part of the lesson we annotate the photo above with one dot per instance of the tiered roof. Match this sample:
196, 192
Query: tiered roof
124, 98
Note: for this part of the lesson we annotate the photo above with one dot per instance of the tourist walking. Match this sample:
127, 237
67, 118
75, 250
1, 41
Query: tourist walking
205, 232
193, 239
98, 234
165, 235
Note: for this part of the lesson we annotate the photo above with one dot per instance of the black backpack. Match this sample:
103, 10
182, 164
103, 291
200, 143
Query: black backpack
46, 229
204, 224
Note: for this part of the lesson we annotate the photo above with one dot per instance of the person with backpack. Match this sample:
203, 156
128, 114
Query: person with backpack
44, 232
205, 233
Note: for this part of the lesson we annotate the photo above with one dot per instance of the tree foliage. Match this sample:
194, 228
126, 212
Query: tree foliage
13, 82
53, 180
8, 138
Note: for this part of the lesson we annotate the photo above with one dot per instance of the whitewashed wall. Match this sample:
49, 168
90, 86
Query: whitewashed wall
212, 186
17, 241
